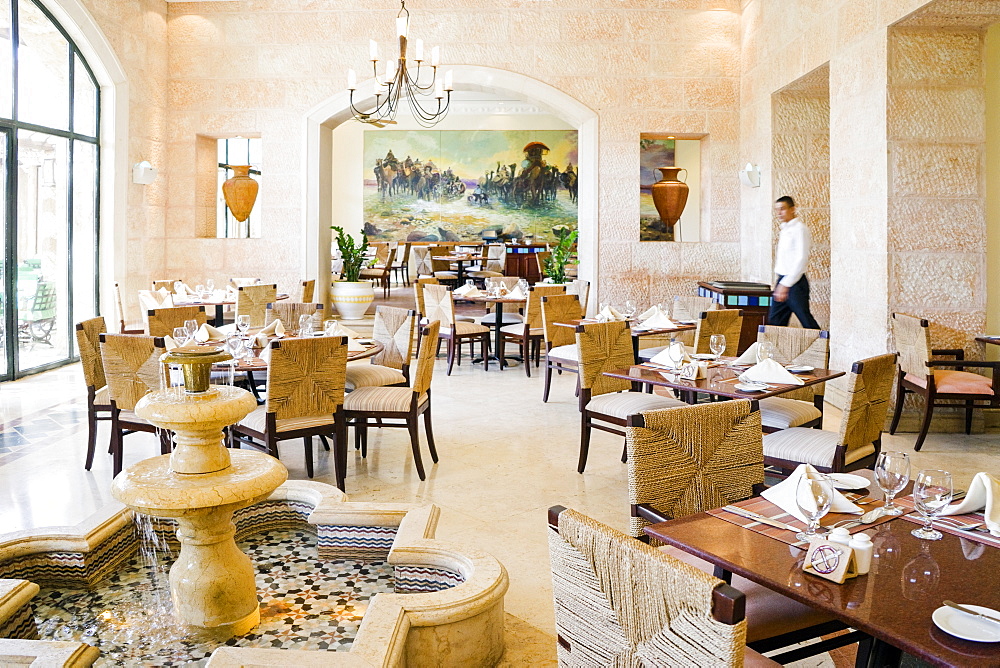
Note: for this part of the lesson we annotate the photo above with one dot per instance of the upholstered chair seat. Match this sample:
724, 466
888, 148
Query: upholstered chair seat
955, 382
363, 374
779, 413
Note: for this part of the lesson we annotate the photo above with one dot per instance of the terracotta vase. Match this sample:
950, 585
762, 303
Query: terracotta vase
670, 194
240, 192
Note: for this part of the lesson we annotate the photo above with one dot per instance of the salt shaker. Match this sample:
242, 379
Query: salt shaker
840, 535
863, 548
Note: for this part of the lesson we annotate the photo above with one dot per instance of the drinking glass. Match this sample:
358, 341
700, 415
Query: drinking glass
717, 344
813, 497
329, 326
469, 284
676, 353
178, 286
305, 325
765, 351
932, 493
200, 289
180, 335
191, 326
629, 309
892, 472
523, 284
243, 323
209, 285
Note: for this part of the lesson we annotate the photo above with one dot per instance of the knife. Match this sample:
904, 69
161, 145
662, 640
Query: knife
750, 515
968, 611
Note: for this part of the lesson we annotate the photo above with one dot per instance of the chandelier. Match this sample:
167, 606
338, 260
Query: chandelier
428, 100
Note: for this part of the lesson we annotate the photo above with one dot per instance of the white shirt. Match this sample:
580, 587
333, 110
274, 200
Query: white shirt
793, 252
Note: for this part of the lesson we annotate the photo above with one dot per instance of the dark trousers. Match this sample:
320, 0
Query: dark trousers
796, 302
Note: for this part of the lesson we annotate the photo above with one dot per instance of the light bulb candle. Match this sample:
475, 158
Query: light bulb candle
449, 81
438, 90
419, 54
436, 56
401, 23
372, 50
352, 80
388, 72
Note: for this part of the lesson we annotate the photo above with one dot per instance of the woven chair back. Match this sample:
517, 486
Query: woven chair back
132, 367
88, 342
533, 307
540, 258
308, 290
912, 337
495, 258
404, 259
252, 300
727, 322
690, 459
242, 282
425, 358
381, 251
120, 305
604, 346
395, 330
383, 264
162, 321
559, 308
619, 601
690, 307
440, 307
422, 261
869, 386
794, 345
439, 265
306, 377
167, 283
418, 292
290, 312
581, 289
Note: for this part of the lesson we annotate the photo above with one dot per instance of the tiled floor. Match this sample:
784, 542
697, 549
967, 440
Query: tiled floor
505, 458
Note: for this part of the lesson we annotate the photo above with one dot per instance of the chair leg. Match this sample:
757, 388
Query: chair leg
625, 452
548, 381
584, 441
116, 448
437, 353
364, 437
526, 356
340, 453
968, 416
91, 437
165, 443
411, 426
928, 411
308, 442
485, 348
430, 435
900, 398
451, 355
326, 443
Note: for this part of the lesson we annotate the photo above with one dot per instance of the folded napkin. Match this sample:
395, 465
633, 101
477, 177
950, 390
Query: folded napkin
275, 330
770, 371
467, 291
353, 346
650, 312
169, 343
983, 494
152, 300
658, 320
208, 333
182, 290
749, 355
516, 293
339, 330
663, 358
219, 295
611, 313
783, 494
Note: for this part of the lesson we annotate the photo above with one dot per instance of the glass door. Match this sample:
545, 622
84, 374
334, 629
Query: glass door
8, 315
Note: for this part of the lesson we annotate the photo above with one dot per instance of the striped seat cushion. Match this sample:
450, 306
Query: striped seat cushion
567, 352
130, 416
372, 375
102, 398
380, 399
809, 446
483, 273
257, 421
779, 413
623, 404
508, 319
518, 330
446, 275
464, 328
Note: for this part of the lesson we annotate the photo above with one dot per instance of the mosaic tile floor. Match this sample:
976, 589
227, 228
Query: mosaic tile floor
306, 604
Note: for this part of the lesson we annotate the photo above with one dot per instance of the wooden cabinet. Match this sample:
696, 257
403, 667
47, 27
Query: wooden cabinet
754, 299
521, 262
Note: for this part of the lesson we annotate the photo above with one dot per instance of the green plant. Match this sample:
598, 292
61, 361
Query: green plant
555, 264
353, 256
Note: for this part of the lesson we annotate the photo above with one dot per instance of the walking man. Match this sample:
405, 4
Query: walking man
791, 293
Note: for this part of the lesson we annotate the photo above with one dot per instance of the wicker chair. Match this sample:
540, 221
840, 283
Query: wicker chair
859, 441
252, 300
290, 312
418, 292
305, 398
560, 342
88, 343
619, 602
242, 282
167, 283
133, 369
727, 322
401, 267
308, 290
441, 269
493, 265
540, 258
604, 346
938, 380
394, 329
803, 407
509, 318
381, 271
399, 403
441, 307
422, 261
528, 335
690, 307
124, 328
162, 321
581, 289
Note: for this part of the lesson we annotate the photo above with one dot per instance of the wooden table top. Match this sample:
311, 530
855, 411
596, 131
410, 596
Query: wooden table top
995, 340
458, 257
719, 380
492, 300
909, 579
225, 302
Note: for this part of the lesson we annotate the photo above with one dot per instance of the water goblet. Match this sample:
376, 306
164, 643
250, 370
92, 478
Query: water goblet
329, 326
717, 344
243, 323
469, 283
305, 325
813, 497
932, 492
629, 310
676, 353
192, 327
765, 351
209, 284
180, 335
200, 289
892, 472
178, 286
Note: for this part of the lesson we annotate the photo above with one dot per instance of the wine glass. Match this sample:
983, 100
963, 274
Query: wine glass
305, 325
676, 353
717, 344
813, 497
243, 323
932, 493
765, 351
210, 285
329, 326
199, 289
523, 284
892, 472
180, 335
178, 286
192, 327
629, 309
469, 284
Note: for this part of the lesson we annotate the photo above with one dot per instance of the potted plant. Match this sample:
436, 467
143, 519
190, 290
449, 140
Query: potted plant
555, 263
352, 296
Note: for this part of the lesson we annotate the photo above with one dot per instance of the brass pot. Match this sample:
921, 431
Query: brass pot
240, 192
196, 365
670, 195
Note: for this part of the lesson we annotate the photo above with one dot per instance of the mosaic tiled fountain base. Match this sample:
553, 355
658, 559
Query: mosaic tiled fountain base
307, 604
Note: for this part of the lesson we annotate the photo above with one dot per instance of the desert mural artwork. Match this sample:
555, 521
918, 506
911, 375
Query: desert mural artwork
654, 152
470, 185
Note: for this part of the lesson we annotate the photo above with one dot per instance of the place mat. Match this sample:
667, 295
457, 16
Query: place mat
969, 518
762, 506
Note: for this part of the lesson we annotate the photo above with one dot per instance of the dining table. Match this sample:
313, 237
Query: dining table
217, 319
893, 603
459, 260
638, 330
498, 341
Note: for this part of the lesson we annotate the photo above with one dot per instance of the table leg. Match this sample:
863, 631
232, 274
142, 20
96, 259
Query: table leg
498, 335
460, 264
217, 320
635, 349
875, 653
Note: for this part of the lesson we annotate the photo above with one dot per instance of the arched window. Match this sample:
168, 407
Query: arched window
49, 156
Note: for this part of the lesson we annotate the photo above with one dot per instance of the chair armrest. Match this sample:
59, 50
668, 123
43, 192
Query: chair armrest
957, 353
649, 513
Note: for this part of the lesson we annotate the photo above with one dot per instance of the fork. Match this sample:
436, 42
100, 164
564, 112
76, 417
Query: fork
961, 526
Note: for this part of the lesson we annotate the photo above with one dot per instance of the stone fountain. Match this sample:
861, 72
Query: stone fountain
200, 485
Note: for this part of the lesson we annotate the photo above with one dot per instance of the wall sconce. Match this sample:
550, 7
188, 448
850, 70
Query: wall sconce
143, 173
750, 175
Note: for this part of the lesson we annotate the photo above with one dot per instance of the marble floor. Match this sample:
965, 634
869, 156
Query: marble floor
505, 457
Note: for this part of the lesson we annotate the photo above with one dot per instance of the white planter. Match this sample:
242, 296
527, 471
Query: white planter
352, 299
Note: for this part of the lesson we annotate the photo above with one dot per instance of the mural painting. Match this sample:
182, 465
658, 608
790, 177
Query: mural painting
470, 185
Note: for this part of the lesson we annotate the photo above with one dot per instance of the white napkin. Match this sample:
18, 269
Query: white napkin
516, 293
650, 312
164, 294
152, 300
169, 343
340, 330
208, 333
983, 494
611, 313
181, 290
275, 330
353, 346
467, 291
219, 295
663, 358
770, 371
749, 355
658, 320
783, 494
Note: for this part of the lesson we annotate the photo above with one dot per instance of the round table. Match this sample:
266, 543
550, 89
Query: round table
497, 324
